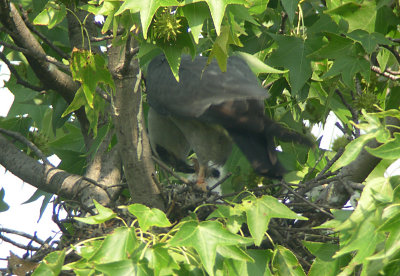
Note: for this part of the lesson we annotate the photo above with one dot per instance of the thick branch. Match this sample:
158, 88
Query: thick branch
47, 178
134, 147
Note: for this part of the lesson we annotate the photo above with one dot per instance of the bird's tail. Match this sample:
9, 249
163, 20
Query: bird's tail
259, 147
260, 151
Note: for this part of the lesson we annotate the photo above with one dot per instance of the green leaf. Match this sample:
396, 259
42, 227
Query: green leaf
103, 215
205, 237
148, 217
161, 260
369, 41
234, 252
220, 47
147, 10
117, 246
336, 47
374, 128
359, 16
3, 205
124, 268
90, 69
292, 54
391, 217
195, 14
259, 212
383, 58
389, 150
290, 7
234, 216
366, 204
51, 264
217, 9
78, 101
348, 66
257, 66
286, 263
36, 195
52, 15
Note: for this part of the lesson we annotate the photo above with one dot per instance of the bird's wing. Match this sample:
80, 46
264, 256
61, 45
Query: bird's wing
200, 85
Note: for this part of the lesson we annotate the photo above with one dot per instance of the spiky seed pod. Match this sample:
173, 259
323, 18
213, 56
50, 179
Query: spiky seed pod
166, 25
366, 101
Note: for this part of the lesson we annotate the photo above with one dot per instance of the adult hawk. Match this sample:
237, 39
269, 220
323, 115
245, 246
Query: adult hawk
206, 111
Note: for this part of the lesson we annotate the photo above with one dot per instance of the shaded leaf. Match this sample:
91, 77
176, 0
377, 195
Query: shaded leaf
286, 263
148, 217
292, 54
103, 215
259, 212
205, 237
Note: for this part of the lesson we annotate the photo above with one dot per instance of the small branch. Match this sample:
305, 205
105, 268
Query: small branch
102, 38
385, 73
25, 141
305, 200
168, 169
284, 17
222, 180
18, 77
103, 94
24, 16
342, 129
330, 163
354, 113
36, 55
22, 234
129, 54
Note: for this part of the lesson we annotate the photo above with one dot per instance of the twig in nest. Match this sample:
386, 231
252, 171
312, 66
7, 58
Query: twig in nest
305, 200
222, 180
168, 169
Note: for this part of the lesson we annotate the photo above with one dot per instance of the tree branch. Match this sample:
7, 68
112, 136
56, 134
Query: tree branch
48, 178
20, 80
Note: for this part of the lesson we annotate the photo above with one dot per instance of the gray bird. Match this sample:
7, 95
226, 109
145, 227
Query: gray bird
206, 111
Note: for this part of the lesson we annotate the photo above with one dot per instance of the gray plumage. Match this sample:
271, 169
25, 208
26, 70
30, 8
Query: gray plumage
208, 109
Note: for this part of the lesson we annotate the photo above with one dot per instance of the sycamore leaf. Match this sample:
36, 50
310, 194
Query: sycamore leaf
369, 41
286, 263
103, 215
257, 66
290, 7
52, 15
205, 237
117, 246
217, 9
148, 217
195, 14
359, 16
259, 212
389, 150
292, 54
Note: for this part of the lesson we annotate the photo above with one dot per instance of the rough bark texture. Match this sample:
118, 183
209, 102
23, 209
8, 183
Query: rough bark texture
47, 178
133, 143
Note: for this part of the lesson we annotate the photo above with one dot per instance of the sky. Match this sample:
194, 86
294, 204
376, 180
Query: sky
21, 217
